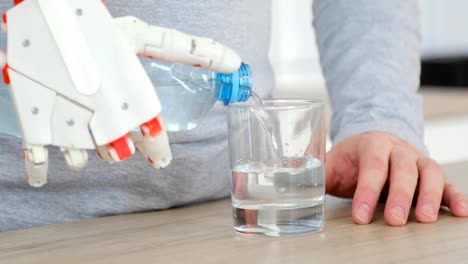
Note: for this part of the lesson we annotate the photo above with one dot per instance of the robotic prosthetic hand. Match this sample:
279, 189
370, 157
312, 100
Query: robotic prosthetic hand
77, 84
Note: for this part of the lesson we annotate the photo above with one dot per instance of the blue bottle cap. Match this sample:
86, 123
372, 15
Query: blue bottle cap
235, 87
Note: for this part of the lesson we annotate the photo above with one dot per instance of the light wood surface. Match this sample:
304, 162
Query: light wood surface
203, 234
441, 102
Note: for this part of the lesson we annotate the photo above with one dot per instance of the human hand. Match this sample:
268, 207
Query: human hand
377, 165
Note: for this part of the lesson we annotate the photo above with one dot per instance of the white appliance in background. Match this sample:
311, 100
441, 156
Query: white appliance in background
293, 51
444, 28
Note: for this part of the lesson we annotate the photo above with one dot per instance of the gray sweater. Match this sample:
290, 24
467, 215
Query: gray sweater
370, 57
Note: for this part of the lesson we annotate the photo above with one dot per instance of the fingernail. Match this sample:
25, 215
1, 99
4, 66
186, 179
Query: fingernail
364, 213
427, 209
398, 212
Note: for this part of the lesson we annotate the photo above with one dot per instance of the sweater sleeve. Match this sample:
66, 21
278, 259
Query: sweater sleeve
370, 56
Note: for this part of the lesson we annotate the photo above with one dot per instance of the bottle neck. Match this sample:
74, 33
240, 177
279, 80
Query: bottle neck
235, 87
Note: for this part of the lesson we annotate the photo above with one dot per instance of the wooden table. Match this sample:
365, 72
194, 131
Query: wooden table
442, 102
203, 234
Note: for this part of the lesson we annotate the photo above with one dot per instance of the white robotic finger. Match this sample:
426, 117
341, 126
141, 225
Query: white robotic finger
37, 163
156, 150
173, 46
76, 159
222, 58
153, 143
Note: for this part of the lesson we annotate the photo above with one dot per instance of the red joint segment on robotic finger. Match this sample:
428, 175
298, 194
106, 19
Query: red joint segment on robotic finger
6, 76
4, 17
121, 147
154, 126
17, 2
197, 65
150, 161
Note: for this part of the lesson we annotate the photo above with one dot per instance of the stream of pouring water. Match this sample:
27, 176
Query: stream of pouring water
266, 122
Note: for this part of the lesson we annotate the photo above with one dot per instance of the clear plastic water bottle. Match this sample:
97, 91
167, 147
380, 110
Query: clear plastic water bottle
8, 123
187, 93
